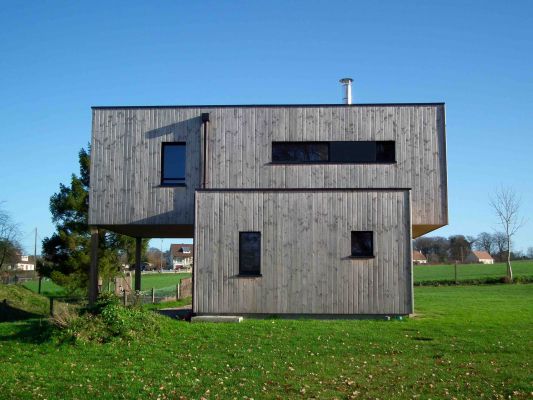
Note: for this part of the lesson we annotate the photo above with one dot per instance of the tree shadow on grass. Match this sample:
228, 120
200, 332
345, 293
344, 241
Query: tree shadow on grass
32, 328
9, 313
35, 331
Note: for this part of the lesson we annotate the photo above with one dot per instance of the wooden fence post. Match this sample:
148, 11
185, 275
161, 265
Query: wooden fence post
455, 269
153, 295
178, 290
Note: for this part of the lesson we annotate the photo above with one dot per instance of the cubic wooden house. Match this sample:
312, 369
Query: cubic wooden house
294, 209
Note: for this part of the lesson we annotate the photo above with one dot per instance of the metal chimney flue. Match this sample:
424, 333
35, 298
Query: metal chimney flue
347, 92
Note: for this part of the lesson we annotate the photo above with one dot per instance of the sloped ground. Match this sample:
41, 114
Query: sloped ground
18, 303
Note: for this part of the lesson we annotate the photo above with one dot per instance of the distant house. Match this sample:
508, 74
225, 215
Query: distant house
24, 263
419, 258
482, 257
181, 256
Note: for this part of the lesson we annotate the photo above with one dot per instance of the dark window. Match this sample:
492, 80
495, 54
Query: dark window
300, 152
250, 253
345, 152
173, 162
353, 152
362, 244
385, 152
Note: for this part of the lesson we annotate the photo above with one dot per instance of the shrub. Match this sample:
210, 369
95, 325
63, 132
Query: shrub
108, 320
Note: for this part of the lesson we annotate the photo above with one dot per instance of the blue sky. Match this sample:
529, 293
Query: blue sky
60, 58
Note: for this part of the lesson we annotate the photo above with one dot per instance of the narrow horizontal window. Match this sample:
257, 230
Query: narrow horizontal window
336, 152
300, 152
173, 164
250, 253
362, 244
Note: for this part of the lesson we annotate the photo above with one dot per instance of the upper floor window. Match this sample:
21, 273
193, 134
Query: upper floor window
344, 152
300, 152
173, 164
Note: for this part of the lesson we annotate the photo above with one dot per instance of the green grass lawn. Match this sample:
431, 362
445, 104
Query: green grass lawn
148, 281
467, 342
48, 287
425, 273
161, 280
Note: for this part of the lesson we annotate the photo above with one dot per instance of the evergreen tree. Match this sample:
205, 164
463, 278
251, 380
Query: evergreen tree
66, 254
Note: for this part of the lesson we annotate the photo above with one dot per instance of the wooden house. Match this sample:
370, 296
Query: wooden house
294, 209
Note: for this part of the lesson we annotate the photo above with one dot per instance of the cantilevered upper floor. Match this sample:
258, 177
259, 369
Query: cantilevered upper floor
147, 162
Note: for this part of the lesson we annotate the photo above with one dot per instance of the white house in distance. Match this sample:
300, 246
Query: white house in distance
481, 257
24, 264
419, 258
181, 257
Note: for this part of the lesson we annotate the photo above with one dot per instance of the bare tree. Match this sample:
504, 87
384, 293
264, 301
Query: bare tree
506, 205
500, 245
485, 242
9, 234
529, 253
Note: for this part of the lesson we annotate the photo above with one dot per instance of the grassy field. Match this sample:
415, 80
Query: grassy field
467, 342
425, 273
158, 281
48, 287
148, 281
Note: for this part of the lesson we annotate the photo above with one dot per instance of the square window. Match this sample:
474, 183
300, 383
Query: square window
250, 253
173, 164
362, 244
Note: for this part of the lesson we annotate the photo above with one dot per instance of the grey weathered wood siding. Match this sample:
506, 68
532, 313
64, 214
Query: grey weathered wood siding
305, 242
126, 166
126, 156
240, 150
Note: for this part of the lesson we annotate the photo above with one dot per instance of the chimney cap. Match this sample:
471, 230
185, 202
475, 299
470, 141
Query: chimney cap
346, 80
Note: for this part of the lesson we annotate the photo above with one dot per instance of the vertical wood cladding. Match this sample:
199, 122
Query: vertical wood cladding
305, 257
126, 166
126, 156
240, 144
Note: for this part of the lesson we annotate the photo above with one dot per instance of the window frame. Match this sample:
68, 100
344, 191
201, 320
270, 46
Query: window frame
162, 182
329, 159
372, 248
247, 274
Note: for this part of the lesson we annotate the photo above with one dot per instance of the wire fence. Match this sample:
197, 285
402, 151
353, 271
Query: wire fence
159, 295
14, 277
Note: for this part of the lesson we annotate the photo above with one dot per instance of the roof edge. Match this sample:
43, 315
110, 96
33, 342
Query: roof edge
271, 105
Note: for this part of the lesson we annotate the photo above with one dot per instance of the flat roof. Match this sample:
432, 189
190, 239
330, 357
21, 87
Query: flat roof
274, 105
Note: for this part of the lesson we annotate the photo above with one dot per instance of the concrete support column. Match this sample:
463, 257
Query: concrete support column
138, 247
93, 270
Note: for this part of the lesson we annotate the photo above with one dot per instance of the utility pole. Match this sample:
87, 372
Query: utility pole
35, 260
